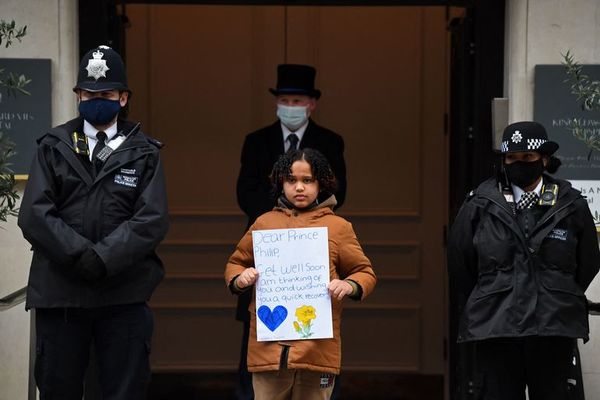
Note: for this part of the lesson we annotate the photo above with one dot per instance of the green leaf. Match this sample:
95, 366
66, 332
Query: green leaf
586, 89
13, 84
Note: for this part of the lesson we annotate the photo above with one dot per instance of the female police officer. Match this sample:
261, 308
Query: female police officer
94, 210
521, 253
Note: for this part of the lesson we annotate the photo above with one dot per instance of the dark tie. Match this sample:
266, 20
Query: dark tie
101, 136
293, 139
528, 200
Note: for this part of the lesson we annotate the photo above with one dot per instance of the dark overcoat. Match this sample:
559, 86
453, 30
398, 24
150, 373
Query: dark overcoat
120, 212
260, 151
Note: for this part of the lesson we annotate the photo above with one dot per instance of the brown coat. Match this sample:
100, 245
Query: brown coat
347, 261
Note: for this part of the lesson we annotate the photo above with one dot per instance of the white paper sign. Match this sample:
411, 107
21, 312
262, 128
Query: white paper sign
292, 302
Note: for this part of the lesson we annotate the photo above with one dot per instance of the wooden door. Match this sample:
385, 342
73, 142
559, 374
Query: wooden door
200, 76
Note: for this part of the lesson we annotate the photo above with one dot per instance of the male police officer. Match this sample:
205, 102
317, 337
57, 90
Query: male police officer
521, 253
94, 211
296, 100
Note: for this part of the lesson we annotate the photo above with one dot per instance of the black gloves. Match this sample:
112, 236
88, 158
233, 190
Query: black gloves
90, 266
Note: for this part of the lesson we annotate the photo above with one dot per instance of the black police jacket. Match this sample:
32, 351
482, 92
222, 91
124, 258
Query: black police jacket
121, 214
504, 284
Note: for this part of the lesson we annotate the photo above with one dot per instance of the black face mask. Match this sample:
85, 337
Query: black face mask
523, 173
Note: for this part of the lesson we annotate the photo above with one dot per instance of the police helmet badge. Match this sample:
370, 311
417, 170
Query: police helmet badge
97, 67
517, 137
101, 68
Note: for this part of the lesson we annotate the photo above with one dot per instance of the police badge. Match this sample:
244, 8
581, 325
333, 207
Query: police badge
97, 67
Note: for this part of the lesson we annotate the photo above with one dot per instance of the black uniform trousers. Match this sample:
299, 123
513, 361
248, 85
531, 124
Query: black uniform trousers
542, 364
121, 336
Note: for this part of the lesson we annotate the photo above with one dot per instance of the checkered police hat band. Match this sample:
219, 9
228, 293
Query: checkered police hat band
518, 143
534, 144
526, 136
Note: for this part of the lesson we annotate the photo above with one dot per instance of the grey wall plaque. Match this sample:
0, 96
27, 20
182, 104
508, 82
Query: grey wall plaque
25, 118
555, 107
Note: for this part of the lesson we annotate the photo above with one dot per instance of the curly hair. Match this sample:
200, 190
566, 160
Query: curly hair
320, 168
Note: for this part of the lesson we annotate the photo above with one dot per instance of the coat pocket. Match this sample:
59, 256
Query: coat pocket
562, 306
556, 280
493, 283
488, 310
559, 254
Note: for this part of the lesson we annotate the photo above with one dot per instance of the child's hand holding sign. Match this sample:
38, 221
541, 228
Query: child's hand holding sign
339, 289
246, 278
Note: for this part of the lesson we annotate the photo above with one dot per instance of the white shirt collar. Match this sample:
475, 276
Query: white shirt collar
90, 131
286, 132
518, 192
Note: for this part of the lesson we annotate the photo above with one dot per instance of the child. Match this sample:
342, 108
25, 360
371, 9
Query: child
302, 369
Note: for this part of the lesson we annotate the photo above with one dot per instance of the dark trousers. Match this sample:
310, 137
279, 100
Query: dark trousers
540, 363
121, 336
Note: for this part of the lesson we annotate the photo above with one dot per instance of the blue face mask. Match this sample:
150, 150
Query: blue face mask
293, 117
99, 111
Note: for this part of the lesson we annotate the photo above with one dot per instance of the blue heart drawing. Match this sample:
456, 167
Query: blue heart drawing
272, 319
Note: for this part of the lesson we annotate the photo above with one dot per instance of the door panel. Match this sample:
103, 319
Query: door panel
370, 65
204, 71
200, 76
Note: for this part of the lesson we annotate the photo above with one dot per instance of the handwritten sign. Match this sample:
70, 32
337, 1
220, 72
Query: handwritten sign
292, 302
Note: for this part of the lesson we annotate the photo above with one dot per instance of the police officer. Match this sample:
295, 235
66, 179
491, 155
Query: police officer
296, 101
521, 253
94, 210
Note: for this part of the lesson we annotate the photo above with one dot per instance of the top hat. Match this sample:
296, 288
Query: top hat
526, 136
296, 79
101, 69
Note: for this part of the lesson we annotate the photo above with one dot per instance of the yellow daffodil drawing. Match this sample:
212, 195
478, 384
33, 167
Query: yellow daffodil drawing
305, 315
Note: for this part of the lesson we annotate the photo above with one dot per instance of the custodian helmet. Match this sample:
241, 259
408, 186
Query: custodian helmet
102, 69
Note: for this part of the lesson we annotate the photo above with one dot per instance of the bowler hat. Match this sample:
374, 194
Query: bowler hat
527, 136
101, 69
296, 79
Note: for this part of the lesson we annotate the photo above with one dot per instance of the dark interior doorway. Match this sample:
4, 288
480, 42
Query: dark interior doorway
476, 69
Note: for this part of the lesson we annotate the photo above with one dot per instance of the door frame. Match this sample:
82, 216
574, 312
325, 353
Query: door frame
473, 85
